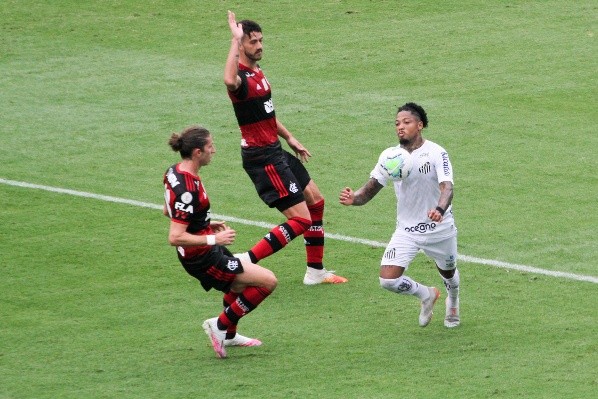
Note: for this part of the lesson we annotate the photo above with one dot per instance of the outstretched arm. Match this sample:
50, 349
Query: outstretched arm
231, 79
361, 196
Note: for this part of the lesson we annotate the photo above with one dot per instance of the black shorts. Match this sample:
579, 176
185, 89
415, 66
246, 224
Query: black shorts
278, 176
217, 269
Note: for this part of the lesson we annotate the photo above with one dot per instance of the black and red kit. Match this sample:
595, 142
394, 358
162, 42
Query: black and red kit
187, 203
254, 109
278, 176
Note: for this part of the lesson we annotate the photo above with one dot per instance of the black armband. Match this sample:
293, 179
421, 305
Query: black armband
440, 210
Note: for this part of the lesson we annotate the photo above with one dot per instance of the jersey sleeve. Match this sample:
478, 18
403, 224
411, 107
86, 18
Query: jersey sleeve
180, 206
378, 173
444, 169
243, 89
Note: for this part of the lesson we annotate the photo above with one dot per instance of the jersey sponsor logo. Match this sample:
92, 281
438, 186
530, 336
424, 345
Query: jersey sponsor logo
269, 106
171, 177
249, 74
425, 168
421, 228
232, 265
293, 188
181, 207
445, 164
187, 197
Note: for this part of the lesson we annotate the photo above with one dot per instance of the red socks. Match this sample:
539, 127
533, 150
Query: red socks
248, 300
278, 238
314, 236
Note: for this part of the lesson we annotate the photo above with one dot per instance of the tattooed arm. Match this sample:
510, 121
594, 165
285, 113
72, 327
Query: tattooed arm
446, 197
361, 196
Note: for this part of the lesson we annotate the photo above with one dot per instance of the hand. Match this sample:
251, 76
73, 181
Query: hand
301, 152
235, 28
435, 215
226, 236
218, 226
346, 196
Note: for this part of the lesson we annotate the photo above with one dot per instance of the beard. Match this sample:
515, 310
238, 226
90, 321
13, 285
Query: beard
403, 141
254, 57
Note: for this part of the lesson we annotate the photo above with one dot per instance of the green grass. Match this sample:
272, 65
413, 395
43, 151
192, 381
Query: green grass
93, 302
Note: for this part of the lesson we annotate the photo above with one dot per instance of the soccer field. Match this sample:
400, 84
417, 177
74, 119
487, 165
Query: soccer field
94, 303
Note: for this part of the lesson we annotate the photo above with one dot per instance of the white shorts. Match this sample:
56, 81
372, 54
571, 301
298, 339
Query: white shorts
403, 247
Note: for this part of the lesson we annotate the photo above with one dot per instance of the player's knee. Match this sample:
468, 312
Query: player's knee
270, 281
299, 224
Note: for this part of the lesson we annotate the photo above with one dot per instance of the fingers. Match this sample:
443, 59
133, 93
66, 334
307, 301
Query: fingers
226, 237
434, 215
304, 156
346, 196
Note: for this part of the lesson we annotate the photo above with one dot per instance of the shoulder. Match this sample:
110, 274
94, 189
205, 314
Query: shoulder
431, 145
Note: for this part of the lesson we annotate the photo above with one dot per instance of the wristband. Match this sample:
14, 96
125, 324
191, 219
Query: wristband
440, 210
211, 240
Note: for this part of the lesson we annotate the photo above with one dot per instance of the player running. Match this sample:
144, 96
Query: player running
424, 217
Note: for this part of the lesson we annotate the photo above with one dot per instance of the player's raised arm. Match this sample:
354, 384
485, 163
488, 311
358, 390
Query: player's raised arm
231, 78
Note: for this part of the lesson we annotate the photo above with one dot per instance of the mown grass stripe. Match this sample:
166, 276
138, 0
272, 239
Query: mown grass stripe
465, 258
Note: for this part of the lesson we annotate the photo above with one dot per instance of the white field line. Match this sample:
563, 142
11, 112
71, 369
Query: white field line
465, 258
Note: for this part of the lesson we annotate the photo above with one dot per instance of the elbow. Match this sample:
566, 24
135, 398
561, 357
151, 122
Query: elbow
230, 83
172, 240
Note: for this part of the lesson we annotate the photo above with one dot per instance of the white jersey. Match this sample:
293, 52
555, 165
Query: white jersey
420, 191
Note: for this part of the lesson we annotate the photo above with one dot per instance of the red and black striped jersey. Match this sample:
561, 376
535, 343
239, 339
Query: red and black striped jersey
254, 108
187, 203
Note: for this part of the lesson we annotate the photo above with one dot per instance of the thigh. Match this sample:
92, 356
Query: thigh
222, 275
312, 193
444, 252
216, 270
298, 169
276, 185
400, 251
254, 276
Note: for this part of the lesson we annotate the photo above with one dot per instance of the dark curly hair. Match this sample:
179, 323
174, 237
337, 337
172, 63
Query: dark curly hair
250, 26
416, 110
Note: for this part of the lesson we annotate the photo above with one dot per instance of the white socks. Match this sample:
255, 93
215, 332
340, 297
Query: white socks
452, 287
405, 285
